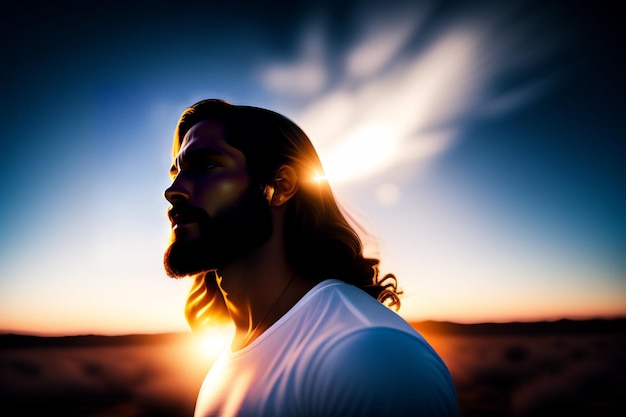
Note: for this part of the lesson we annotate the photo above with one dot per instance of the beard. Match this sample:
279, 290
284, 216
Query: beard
230, 235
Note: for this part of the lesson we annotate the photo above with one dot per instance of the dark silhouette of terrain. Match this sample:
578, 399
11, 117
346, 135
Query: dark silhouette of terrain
500, 369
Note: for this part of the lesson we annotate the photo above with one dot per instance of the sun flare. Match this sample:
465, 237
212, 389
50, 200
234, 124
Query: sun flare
210, 343
318, 178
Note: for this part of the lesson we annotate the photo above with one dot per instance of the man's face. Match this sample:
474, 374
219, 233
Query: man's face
217, 215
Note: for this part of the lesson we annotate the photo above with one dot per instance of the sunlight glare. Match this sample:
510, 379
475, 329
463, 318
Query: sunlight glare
364, 152
318, 178
388, 194
210, 343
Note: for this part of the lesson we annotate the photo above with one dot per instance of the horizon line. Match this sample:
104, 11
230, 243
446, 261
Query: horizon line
425, 325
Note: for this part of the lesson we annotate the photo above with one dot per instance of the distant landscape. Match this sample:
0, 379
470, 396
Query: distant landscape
510, 369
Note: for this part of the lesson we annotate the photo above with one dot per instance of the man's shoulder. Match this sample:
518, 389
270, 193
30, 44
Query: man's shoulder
354, 329
340, 316
399, 364
365, 344
351, 307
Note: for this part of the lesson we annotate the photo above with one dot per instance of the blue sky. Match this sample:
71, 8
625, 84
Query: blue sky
481, 145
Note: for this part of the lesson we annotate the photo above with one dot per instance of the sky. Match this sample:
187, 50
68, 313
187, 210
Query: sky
480, 143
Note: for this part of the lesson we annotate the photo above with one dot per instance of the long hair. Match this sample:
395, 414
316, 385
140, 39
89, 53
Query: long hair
321, 243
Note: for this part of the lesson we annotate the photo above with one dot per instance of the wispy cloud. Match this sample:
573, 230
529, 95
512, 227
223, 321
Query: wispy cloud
307, 74
380, 40
398, 97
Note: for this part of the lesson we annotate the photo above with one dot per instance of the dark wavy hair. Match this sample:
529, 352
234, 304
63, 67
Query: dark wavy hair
321, 243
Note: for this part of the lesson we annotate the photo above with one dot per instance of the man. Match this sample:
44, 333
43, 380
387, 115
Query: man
270, 250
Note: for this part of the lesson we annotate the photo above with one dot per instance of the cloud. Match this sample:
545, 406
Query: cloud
381, 41
304, 76
396, 96
402, 116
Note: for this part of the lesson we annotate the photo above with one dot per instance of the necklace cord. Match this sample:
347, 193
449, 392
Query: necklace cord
267, 314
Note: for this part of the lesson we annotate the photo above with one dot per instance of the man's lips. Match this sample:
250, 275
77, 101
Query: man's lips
181, 217
183, 220
186, 227
180, 224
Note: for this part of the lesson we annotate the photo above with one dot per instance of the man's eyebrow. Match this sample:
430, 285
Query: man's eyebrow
193, 155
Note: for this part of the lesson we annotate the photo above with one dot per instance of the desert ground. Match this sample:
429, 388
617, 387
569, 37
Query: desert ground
512, 369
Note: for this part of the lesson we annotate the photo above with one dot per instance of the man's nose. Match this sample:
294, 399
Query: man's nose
177, 191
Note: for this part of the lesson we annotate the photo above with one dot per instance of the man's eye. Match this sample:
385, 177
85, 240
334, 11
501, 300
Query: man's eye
203, 166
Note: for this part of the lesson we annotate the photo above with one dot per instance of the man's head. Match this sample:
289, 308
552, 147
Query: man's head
229, 162
230, 166
218, 216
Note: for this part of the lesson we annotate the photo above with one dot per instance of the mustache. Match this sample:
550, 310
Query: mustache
185, 213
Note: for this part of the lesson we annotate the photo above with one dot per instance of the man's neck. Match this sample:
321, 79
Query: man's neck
263, 303
262, 287
259, 290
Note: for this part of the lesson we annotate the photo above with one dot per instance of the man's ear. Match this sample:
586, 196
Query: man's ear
284, 186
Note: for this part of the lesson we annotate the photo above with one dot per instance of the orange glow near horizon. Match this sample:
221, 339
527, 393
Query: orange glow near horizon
210, 342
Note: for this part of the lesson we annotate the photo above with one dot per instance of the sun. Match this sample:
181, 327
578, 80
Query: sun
318, 178
209, 344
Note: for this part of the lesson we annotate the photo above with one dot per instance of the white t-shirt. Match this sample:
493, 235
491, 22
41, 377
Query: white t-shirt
337, 352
